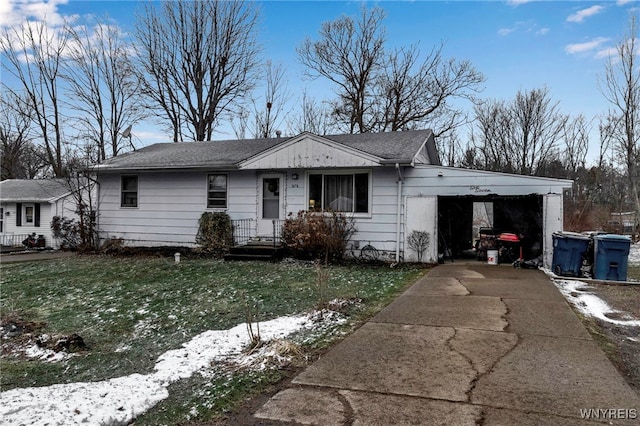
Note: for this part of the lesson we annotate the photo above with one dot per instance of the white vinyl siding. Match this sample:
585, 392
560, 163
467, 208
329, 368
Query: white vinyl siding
169, 206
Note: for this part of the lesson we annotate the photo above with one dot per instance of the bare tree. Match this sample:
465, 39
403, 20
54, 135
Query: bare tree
492, 137
34, 56
275, 99
522, 135
15, 124
450, 149
621, 88
380, 90
538, 127
349, 54
314, 117
103, 86
575, 134
415, 94
199, 60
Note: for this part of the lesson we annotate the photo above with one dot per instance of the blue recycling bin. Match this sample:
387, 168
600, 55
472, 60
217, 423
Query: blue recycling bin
568, 251
611, 255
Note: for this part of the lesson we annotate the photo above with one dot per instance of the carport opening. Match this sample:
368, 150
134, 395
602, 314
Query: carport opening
463, 220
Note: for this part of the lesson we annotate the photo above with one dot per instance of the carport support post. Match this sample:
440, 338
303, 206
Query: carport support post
552, 222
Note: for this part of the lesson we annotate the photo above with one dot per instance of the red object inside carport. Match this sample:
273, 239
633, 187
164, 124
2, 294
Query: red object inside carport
512, 238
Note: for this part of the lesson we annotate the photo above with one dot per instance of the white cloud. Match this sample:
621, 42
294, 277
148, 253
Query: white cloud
583, 14
543, 31
524, 26
12, 12
587, 46
506, 31
609, 52
623, 2
516, 3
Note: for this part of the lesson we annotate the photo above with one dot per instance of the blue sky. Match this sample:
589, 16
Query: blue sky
517, 45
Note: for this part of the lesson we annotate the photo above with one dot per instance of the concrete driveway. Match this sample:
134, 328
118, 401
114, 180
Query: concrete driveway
467, 344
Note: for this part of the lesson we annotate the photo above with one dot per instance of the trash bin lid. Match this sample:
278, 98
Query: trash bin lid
612, 237
573, 235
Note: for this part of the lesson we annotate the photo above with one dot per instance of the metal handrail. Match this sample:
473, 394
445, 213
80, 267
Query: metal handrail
242, 231
278, 224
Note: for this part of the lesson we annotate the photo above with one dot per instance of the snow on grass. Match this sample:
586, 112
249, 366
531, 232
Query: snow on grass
119, 400
577, 293
634, 254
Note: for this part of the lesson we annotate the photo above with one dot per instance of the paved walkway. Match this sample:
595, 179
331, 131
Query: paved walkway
35, 256
467, 344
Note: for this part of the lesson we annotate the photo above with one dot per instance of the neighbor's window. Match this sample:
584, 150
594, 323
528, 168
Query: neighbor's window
339, 192
217, 191
129, 191
28, 214
1, 219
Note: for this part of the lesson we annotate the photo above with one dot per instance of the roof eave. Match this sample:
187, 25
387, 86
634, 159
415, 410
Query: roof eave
163, 168
399, 161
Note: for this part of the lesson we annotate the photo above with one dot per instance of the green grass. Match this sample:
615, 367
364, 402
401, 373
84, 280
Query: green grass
131, 310
633, 272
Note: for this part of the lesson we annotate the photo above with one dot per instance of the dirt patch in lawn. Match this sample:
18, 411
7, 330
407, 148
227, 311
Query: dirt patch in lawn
21, 338
621, 343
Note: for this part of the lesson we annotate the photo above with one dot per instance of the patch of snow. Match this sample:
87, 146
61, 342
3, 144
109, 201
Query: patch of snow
634, 254
47, 355
120, 400
577, 293
122, 348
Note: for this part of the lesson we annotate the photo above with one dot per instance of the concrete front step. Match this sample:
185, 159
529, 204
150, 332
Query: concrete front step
254, 252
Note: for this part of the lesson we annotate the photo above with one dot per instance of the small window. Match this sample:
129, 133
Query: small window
1, 219
339, 192
129, 191
28, 214
217, 191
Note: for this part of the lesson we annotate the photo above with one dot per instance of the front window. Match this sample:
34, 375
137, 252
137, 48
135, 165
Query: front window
217, 191
129, 191
347, 192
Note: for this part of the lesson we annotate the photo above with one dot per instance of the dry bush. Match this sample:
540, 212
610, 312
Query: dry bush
323, 236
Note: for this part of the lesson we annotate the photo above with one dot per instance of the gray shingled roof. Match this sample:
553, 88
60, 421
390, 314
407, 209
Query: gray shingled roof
228, 153
37, 190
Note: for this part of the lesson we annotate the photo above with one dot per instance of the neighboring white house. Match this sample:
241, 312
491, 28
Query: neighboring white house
390, 183
27, 206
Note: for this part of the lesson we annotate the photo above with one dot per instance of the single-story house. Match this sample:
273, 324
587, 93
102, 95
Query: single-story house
390, 183
27, 207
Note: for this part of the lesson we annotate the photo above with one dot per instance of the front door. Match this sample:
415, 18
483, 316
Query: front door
270, 203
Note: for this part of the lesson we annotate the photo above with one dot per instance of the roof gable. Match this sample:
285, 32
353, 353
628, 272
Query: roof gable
308, 151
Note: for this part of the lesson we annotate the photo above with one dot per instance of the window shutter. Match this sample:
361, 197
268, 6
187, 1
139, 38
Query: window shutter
18, 214
36, 215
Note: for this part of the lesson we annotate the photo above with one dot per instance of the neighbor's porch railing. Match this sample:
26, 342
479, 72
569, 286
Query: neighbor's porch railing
13, 240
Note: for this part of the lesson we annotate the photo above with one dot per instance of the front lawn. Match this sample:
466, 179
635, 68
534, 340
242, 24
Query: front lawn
128, 311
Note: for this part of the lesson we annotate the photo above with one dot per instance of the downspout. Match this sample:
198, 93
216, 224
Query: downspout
398, 211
